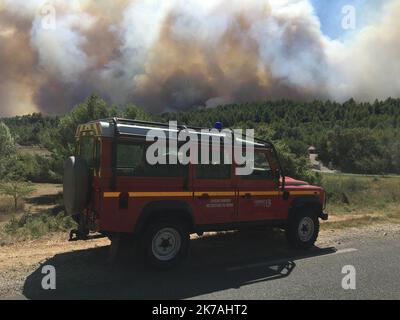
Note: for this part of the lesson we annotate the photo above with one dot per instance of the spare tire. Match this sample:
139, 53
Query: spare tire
75, 185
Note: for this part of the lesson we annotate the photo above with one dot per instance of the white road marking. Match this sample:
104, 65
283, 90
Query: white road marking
345, 250
275, 262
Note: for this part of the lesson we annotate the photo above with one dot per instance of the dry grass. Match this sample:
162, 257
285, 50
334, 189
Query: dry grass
7, 209
39, 214
362, 200
357, 222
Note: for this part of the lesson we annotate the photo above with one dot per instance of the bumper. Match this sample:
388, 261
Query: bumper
324, 216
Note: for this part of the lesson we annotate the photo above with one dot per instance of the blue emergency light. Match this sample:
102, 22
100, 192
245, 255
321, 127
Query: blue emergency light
218, 125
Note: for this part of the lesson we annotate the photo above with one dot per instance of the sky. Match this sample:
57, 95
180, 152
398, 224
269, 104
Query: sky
330, 14
179, 54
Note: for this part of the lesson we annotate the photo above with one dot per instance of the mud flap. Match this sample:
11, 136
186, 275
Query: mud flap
82, 232
324, 216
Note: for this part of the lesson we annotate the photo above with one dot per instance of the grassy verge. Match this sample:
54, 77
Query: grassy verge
361, 200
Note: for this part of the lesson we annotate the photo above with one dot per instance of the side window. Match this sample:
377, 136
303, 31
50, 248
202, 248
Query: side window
166, 170
131, 161
261, 168
214, 170
86, 150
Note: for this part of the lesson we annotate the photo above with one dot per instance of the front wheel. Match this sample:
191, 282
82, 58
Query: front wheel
303, 228
165, 243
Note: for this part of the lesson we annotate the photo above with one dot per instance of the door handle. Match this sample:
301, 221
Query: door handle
247, 196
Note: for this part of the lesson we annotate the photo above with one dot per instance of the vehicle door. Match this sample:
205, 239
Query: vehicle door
214, 192
259, 196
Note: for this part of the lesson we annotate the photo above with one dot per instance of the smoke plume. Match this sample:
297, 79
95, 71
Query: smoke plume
176, 54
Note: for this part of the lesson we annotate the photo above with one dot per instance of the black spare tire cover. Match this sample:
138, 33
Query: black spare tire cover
75, 185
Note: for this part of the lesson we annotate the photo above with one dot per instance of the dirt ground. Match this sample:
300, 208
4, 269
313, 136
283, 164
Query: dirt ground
43, 197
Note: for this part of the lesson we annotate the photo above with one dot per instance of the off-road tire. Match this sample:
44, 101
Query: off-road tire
174, 233
303, 228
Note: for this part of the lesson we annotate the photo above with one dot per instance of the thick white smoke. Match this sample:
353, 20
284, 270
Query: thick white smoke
176, 54
368, 65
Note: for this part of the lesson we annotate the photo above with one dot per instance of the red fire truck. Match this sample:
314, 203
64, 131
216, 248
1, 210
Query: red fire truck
110, 188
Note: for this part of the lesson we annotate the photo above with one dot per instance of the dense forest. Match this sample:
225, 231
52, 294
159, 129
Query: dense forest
353, 137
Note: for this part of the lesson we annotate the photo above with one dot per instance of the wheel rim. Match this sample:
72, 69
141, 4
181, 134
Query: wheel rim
166, 244
306, 229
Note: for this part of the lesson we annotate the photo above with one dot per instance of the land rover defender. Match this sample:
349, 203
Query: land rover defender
109, 187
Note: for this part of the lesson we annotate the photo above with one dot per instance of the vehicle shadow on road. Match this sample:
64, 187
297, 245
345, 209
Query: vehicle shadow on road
216, 262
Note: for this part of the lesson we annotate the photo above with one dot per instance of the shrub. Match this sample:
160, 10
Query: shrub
36, 225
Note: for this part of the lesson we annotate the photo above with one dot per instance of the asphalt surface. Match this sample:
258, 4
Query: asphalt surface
377, 266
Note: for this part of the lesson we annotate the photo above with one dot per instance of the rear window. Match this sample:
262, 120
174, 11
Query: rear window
86, 150
131, 161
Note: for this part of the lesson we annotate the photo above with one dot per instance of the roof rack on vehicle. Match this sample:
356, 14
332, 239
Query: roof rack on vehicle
145, 122
180, 127
142, 122
262, 141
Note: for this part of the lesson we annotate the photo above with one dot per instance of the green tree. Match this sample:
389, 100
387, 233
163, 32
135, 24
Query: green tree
7, 145
17, 190
294, 166
134, 112
7, 149
92, 109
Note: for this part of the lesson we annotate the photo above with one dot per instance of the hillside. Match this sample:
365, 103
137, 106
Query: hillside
353, 137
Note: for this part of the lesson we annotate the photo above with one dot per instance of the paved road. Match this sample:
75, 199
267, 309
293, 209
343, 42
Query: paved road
227, 269
377, 265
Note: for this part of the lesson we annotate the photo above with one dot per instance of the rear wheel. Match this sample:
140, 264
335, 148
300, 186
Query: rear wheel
303, 228
164, 243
